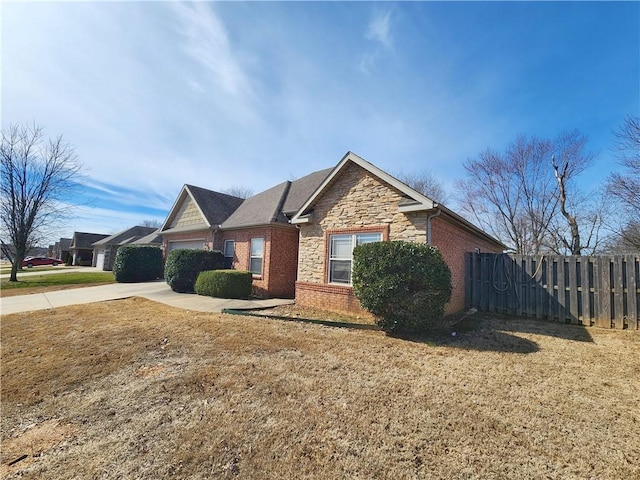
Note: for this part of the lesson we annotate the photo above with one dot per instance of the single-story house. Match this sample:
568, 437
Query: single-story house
81, 247
61, 249
104, 251
254, 234
359, 203
298, 237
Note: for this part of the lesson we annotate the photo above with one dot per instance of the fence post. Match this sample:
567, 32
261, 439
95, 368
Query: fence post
632, 292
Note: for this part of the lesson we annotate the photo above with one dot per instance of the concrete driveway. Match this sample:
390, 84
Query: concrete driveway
157, 291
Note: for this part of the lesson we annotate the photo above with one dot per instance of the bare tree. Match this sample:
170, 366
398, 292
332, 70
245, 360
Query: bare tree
624, 187
152, 223
37, 175
586, 217
426, 183
511, 194
238, 191
515, 196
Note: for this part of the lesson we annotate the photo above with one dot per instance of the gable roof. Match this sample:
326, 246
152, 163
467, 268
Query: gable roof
85, 240
276, 204
215, 207
413, 200
124, 237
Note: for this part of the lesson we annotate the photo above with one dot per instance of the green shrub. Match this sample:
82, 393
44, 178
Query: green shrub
224, 283
184, 265
405, 285
137, 263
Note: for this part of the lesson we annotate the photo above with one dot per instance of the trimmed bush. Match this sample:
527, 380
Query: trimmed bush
184, 265
405, 285
224, 283
137, 263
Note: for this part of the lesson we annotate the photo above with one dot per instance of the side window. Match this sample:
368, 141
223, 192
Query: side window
341, 254
255, 261
229, 251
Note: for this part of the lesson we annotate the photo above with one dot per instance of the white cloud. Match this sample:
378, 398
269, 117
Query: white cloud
207, 42
379, 28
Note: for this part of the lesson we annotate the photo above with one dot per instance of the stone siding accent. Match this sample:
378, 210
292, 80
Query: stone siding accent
357, 199
188, 214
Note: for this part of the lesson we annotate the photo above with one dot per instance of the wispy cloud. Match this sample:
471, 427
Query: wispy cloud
379, 28
207, 42
378, 31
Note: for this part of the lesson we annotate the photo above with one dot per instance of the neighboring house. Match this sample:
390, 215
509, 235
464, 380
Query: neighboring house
254, 233
104, 253
61, 249
298, 237
81, 247
359, 203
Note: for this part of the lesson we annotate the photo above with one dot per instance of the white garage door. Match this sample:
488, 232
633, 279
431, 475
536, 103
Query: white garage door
100, 259
197, 244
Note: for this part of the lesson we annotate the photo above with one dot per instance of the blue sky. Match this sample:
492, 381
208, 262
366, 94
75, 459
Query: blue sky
154, 95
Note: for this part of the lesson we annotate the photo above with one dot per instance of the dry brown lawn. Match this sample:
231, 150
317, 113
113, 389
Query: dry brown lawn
134, 389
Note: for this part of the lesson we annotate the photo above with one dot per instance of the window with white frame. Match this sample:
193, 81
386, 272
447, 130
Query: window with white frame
229, 251
255, 260
341, 254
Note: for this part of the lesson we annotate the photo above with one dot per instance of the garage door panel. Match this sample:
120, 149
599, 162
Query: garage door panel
194, 244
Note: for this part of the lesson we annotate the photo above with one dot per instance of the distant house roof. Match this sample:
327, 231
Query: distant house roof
151, 239
127, 236
85, 240
65, 244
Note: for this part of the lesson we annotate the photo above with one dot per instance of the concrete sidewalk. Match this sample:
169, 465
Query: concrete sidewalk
157, 291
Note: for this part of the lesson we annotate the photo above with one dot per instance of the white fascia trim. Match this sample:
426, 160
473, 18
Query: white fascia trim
413, 208
424, 202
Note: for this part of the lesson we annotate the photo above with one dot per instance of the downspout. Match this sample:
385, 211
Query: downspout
429, 227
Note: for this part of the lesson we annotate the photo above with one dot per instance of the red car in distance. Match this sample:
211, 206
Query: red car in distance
36, 261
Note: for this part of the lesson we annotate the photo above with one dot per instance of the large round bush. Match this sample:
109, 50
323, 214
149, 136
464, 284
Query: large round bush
137, 263
224, 283
405, 285
184, 265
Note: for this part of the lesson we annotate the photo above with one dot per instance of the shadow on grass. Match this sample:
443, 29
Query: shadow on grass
479, 331
498, 333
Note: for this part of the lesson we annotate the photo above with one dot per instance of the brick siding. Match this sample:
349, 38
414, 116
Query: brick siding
453, 242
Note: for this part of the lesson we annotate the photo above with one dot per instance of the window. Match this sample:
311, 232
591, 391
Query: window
341, 254
255, 261
229, 250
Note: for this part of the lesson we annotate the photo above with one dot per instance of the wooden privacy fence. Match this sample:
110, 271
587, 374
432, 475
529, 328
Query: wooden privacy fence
601, 291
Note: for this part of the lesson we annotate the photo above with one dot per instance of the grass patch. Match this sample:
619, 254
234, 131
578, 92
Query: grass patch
135, 389
50, 282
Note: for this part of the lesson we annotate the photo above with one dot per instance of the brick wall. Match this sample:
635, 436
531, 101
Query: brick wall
279, 261
453, 242
334, 298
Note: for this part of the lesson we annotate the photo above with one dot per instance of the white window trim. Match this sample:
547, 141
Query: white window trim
354, 241
261, 257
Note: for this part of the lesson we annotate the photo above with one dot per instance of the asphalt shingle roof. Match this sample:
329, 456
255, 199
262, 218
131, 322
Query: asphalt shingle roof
215, 206
126, 236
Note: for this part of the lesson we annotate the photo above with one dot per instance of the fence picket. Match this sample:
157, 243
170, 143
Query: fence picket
603, 291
